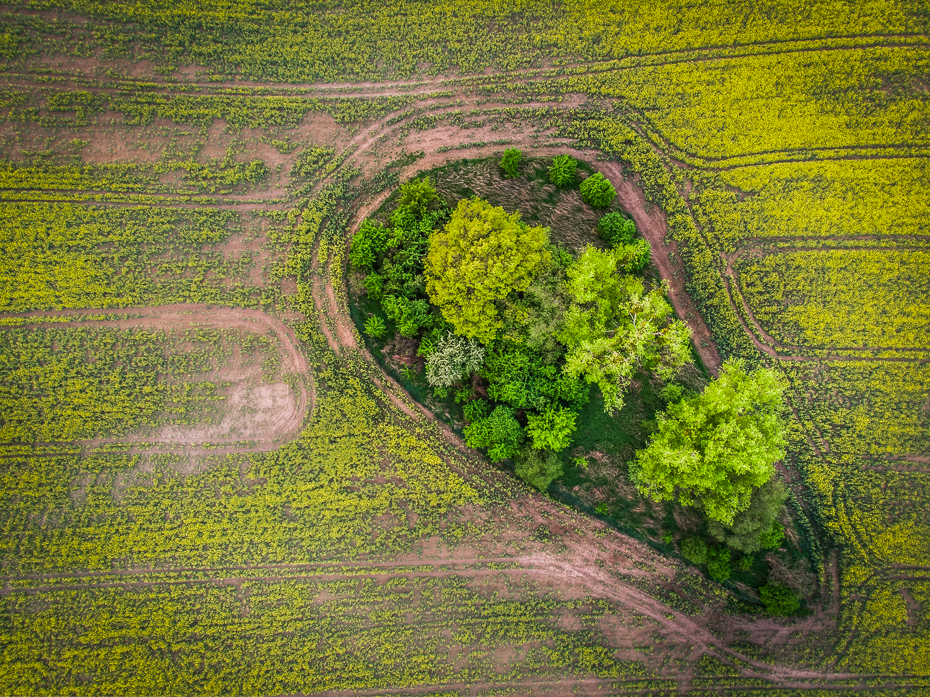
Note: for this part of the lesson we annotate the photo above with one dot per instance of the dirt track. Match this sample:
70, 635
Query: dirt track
172, 317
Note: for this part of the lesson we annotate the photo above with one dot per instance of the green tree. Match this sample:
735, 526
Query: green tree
374, 326
367, 245
453, 358
715, 448
510, 162
538, 468
718, 564
780, 601
755, 527
615, 328
500, 433
553, 429
694, 549
480, 256
562, 171
616, 229
597, 191
416, 195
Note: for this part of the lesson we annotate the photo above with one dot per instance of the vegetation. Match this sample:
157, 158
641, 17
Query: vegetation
597, 190
159, 154
563, 170
616, 229
713, 449
481, 256
510, 162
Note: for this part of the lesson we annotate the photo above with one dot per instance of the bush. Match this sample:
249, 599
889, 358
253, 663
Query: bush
416, 195
375, 327
510, 162
454, 358
779, 601
374, 284
718, 564
616, 229
409, 315
694, 550
538, 468
500, 433
632, 257
597, 191
563, 170
369, 242
553, 429
476, 410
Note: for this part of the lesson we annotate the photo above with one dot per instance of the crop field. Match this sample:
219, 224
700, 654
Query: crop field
215, 480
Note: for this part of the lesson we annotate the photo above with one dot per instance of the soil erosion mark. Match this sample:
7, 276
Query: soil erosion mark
173, 317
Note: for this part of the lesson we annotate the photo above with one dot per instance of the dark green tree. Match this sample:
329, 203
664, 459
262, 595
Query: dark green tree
616, 229
500, 433
755, 527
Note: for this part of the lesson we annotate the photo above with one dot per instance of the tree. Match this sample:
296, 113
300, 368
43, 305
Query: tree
375, 327
755, 527
510, 162
416, 195
718, 564
453, 358
368, 243
553, 429
597, 191
616, 229
614, 328
562, 171
694, 549
500, 433
480, 256
538, 468
779, 600
715, 448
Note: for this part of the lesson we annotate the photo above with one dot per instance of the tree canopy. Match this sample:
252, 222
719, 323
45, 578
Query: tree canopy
481, 255
614, 328
597, 190
713, 449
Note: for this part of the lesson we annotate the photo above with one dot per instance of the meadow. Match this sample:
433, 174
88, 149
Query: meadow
212, 484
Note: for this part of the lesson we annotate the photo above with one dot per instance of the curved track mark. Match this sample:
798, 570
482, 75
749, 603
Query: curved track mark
188, 315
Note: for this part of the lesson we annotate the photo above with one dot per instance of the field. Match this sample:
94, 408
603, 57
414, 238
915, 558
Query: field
211, 484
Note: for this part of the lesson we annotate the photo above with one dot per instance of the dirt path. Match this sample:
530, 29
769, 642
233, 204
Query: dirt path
180, 316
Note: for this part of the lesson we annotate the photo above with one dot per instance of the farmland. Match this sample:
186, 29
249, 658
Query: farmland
215, 482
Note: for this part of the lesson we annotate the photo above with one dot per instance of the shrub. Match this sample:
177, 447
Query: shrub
476, 410
694, 550
632, 257
616, 229
416, 195
374, 284
510, 162
538, 468
500, 433
780, 601
718, 564
375, 327
597, 191
553, 429
409, 315
369, 242
562, 171
453, 358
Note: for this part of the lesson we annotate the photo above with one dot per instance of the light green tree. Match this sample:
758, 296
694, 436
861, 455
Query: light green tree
510, 162
597, 191
553, 429
714, 449
481, 255
614, 327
